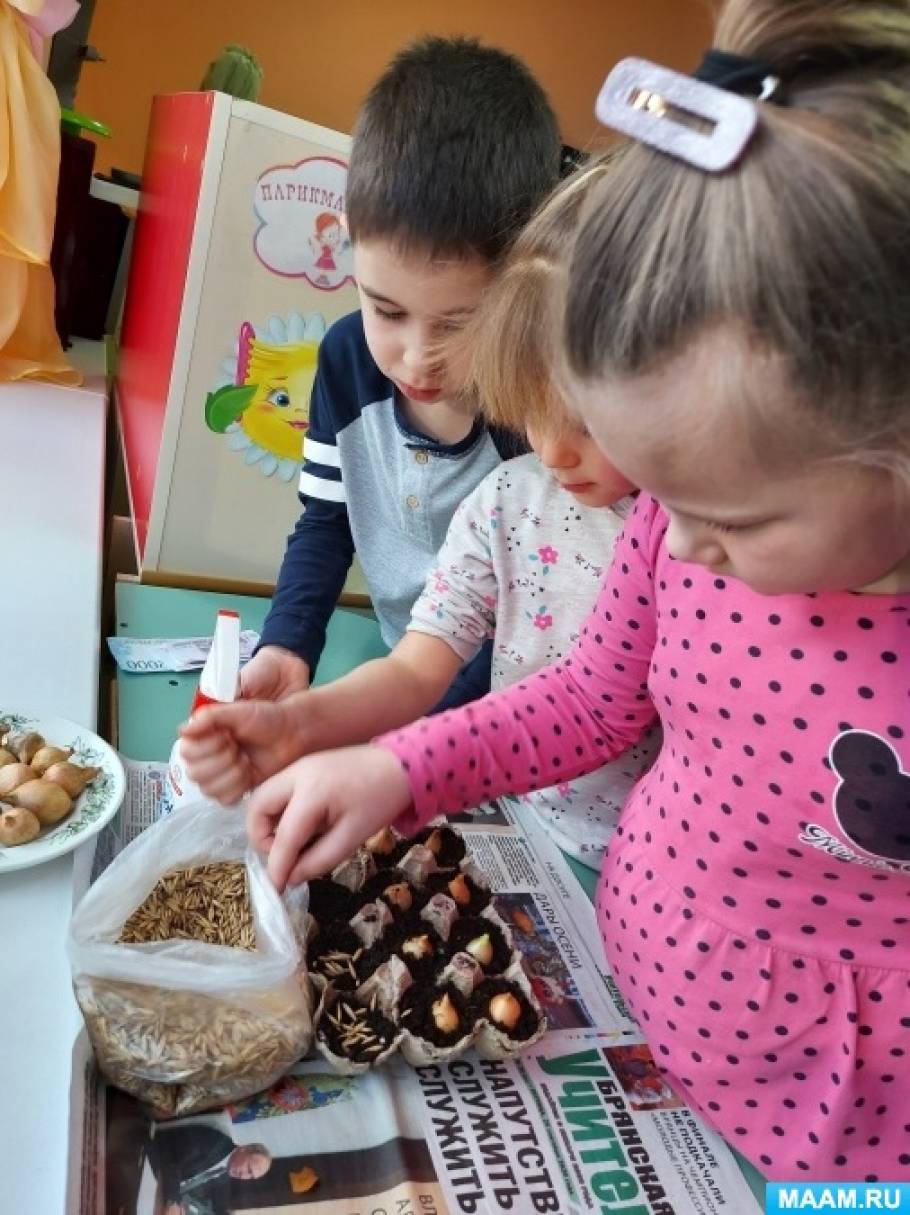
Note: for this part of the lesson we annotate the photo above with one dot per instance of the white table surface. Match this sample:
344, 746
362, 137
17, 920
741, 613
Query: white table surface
52, 494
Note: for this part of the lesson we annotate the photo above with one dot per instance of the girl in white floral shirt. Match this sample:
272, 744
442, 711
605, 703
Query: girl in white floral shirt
522, 563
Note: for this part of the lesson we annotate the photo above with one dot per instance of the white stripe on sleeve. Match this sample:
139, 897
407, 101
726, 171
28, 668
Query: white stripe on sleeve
319, 487
321, 453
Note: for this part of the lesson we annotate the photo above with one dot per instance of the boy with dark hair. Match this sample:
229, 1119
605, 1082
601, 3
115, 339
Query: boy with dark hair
453, 150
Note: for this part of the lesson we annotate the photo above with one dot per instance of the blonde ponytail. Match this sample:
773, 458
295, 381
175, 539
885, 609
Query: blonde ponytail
512, 343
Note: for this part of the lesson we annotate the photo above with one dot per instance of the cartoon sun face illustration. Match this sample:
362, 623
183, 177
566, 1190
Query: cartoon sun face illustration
276, 417
263, 407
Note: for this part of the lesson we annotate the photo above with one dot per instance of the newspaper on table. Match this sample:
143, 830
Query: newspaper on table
582, 1122
144, 787
148, 655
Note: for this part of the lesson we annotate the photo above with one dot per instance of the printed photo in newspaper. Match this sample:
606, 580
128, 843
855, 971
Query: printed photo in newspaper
315, 1140
550, 915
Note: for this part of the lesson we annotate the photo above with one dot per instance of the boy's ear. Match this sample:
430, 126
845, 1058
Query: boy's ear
226, 404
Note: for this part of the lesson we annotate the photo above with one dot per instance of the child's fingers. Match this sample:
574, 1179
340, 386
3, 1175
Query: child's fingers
322, 855
195, 728
219, 719
209, 748
266, 808
210, 757
229, 785
265, 839
209, 776
300, 821
218, 767
203, 724
256, 678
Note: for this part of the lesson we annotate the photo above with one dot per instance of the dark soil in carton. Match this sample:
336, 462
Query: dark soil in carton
331, 903
334, 953
356, 1032
446, 845
395, 890
420, 948
528, 1020
423, 1012
456, 885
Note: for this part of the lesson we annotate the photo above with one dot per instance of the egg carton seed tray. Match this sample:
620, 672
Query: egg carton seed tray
407, 953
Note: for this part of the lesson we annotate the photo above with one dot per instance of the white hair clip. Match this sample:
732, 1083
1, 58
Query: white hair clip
706, 126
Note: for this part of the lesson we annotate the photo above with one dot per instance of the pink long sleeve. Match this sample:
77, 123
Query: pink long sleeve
560, 723
753, 902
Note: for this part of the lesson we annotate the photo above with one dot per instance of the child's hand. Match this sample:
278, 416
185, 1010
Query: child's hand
315, 813
274, 674
228, 749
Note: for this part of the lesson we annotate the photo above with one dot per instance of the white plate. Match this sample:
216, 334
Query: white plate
94, 807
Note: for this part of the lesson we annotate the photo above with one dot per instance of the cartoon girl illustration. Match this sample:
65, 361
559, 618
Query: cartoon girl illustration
262, 404
328, 239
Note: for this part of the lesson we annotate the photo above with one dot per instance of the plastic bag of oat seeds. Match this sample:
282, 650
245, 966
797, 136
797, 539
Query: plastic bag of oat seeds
189, 967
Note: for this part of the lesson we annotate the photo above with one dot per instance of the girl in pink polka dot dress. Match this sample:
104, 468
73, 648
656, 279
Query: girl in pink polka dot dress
738, 345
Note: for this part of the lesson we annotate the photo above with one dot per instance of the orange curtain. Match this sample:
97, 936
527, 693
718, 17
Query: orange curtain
29, 161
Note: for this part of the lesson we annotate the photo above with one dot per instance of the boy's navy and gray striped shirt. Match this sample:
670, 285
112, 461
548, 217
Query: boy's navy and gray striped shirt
372, 485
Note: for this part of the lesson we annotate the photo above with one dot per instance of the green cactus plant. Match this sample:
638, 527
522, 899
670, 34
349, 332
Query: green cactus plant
235, 71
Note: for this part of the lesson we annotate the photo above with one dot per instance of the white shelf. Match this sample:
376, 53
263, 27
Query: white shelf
52, 473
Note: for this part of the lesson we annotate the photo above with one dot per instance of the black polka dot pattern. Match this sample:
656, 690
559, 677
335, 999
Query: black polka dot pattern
795, 1034
731, 884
